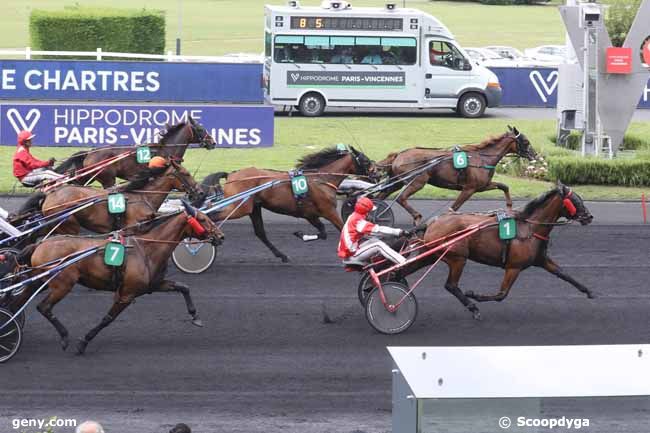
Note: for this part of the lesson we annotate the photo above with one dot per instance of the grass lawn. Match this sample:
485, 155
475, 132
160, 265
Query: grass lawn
229, 26
376, 136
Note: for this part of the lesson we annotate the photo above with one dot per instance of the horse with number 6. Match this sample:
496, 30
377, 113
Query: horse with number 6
142, 272
528, 247
478, 164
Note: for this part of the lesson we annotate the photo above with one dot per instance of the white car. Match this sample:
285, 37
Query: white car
551, 55
488, 58
512, 54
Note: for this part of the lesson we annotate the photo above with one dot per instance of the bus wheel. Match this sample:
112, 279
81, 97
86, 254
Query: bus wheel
312, 105
471, 105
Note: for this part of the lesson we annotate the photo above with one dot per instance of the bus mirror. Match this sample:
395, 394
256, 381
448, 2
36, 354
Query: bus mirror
467, 66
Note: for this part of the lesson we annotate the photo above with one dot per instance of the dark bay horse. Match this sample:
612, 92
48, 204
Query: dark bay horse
477, 177
324, 170
530, 248
143, 271
172, 144
144, 195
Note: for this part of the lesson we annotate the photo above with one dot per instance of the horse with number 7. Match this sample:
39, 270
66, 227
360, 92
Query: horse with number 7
131, 267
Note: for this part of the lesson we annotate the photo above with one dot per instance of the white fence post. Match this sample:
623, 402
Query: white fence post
99, 53
28, 53
169, 56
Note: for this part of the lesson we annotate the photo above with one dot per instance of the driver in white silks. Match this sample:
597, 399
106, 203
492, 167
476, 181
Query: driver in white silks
356, 227
5, 226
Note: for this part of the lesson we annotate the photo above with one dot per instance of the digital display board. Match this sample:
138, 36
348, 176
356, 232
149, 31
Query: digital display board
346, 23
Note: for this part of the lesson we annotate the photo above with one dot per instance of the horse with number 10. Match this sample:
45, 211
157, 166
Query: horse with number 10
324, 171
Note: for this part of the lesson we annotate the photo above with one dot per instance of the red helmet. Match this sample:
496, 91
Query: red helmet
363, 206
23, 136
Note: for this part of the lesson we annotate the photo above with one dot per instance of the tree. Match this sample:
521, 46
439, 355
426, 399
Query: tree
620, 16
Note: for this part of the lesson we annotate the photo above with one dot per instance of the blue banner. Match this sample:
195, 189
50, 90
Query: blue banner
537, 87
107, 125
130, 81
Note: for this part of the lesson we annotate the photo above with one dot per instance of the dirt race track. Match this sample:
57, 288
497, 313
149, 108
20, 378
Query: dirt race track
266, 361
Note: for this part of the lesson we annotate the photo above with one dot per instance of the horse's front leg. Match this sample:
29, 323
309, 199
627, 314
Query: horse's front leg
416, 184
464, 195
508, 280
556, 270
118, 306
173, 286
503, 187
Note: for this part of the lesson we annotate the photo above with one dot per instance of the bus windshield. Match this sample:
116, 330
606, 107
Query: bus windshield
370, 50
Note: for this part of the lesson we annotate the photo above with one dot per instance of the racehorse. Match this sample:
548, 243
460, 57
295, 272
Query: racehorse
144, 195
172, 144
142, 273
530, 248
477, 177
324, 171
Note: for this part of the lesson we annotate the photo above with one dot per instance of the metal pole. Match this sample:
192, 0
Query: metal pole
179, 27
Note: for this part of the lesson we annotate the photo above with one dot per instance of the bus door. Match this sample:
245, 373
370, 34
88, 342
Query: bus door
446, 72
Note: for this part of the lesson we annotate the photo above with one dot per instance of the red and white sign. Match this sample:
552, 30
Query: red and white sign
619, 60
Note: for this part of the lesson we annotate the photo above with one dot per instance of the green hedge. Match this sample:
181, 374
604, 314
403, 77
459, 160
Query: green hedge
86, 29
596, 171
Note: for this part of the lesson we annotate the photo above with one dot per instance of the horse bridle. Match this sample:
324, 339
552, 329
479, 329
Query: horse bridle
196, 129
188, 187
358, 165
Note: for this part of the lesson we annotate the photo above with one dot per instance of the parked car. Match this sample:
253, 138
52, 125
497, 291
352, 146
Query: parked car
551, 55
513, 54
488, 58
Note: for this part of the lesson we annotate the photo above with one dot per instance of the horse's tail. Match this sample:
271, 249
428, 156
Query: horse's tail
75, 161
33, 204
211, 184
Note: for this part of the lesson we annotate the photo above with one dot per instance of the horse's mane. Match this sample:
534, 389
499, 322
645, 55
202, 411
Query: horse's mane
319, 159
172, 130
473, 147
141, 180
532, 205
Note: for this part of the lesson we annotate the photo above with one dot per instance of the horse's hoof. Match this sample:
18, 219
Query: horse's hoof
298, 235
476, 315
64, 343
197, 322
284, 259
591, 295
81, 346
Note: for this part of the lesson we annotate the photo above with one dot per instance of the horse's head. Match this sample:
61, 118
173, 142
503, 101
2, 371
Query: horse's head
182, 180
363, 165
200, 134
201, 226
573, 207
520, 145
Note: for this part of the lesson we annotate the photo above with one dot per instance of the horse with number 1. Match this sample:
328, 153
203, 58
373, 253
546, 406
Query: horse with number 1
307, 192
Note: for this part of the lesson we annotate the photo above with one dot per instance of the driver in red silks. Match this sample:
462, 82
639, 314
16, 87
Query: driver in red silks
27, 168
351, 243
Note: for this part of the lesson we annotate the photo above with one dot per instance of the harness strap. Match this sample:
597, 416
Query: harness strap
541, 237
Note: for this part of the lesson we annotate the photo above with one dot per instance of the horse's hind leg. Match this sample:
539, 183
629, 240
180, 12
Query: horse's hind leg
455, 271
115, 310
556, 270
416, 184
508, 280
258, 226
173, 286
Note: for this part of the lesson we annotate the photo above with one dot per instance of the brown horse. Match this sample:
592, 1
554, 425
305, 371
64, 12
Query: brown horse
477, 177
144, 195
324, 170
142, 273
530, 248
172, 144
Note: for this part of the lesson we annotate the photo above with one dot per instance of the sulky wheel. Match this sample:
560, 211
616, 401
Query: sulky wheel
10, 336
194, 258
365, 285
383, 215
391, 322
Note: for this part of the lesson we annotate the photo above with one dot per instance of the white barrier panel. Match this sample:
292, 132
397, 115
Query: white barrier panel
523, 389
